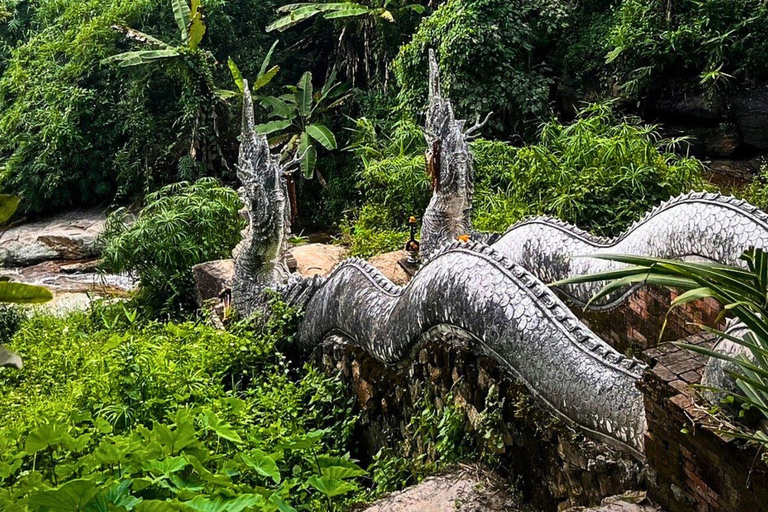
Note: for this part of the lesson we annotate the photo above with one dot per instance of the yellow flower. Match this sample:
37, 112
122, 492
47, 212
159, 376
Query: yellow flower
463, 238
411, 220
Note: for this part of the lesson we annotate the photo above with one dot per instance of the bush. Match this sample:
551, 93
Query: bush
490, 54
702, 42
601, 172
76, 131
110, 412
181, 225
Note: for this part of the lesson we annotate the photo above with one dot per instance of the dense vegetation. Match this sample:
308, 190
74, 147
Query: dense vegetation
123, 104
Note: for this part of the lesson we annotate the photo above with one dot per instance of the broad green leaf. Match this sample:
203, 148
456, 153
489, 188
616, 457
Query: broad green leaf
225, 94
196, 30
304, 94
8, 206
308, 160
281, 505
322, 135
262, 463
117, 497
182, 15
342, 472
348, 13
294, 18
304, 442
160, 506
42, 437
207, 476
265, 78
71, 496
331, 486
220, 427
164, 467
225, 504
273, 126
280, 108
20, 293
129, 59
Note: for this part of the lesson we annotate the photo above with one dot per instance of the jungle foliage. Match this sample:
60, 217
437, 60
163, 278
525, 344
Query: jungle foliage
111, 413
601, 173
181, 225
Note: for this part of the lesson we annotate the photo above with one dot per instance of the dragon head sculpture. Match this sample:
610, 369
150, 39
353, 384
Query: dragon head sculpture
451, 169
260, 256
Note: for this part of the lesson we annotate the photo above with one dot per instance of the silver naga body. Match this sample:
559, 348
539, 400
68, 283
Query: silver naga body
471, 291
493, 296
260, 256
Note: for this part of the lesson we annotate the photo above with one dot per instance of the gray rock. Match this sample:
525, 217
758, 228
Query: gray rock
10, 359
211, 278
750, 110
68, 236
465, 490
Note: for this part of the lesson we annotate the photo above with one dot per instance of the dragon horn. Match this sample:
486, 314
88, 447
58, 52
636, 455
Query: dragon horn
249, 124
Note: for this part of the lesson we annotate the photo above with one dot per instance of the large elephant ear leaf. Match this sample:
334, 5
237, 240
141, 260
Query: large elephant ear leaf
8, 206
20, 293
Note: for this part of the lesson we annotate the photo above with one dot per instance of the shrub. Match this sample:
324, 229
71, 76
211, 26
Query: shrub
180, 226
490, 57
76, 131
601, 172
110, 412
707, 42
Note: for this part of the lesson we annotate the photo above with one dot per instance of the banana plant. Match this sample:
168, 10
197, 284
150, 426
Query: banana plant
743, 292
190, 20
201, 115
265, 76
16, 293
298, 12
294, 125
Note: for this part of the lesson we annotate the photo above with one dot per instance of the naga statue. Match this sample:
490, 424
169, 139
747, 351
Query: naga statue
450, 167
695, 226
466, 291
260, 256
494, 297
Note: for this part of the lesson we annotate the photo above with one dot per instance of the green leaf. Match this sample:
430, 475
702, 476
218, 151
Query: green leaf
279, 107
196, 30
267, 59
322, 135
272, 126
182, 15
331, 486
117, 497
138, 58
294, 18
48, 434
263, 464
348, 13
304, 94
304, 442
224, 504
220, 427
20, 293
164, 467
69, 497
342, 472
160, 506
308, 157
8, 206
265, 78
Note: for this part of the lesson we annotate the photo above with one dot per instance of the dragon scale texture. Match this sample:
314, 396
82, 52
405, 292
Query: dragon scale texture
694, 226
511, 316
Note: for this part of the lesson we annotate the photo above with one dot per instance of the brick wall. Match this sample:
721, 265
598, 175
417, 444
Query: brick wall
701, 470
636, 324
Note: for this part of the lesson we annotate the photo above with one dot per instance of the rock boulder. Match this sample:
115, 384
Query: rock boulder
211, 278
67, 236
